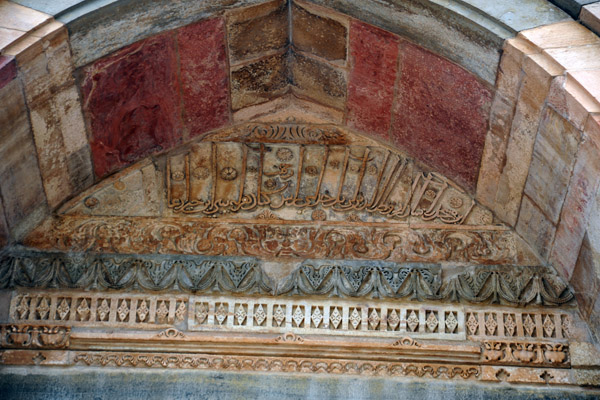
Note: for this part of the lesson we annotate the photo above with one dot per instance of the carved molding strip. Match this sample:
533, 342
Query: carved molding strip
128, 235
510, 285
275, 364
516, 353
34, 336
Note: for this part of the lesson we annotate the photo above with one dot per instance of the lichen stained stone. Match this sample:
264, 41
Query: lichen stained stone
131, 101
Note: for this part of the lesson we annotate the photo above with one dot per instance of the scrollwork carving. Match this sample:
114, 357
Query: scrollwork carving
34, 336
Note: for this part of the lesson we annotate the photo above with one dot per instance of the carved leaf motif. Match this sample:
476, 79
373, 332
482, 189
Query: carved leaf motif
237, 272
157, 271
395, 280
74, 269
314, 275
115, 272
355, 277
43, 308
197, 272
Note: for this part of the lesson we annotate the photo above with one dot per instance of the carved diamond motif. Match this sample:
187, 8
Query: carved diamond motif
566, 327
355, 318
451, 322
260, 315
373, 319
431, 322
412, 321
298, 316
142, 311
335, 317
279, 315
201, 313
221, 314
83, 310
393, 320
317, 317
123, 310
162, 312
472, 324
43, 308
23, 307
103, 310
240, 314
180, 312
529, 325
509, 326
491, 325
548, 326
63, 309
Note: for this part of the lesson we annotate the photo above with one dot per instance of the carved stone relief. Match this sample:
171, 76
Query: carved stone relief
511, 285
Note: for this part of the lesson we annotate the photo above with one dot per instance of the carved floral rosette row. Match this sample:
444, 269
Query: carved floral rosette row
99, 309
131, 235
276, 364
34, 336
281, 315
511, 285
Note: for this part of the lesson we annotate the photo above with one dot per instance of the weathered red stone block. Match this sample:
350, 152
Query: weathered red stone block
441, 114
374, 65
132, 103
204, 75
8, 70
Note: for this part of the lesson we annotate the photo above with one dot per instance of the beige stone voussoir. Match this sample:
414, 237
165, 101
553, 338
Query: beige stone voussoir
562, 34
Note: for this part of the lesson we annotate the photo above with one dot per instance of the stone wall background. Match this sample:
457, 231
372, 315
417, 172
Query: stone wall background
86, 91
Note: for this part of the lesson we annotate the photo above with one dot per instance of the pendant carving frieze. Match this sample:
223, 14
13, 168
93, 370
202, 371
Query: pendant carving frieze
505, 284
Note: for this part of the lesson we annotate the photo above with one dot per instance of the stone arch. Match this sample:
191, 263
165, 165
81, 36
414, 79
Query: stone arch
525, 102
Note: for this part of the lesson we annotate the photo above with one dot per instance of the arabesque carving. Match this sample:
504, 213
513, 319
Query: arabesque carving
181, 236
34, 336
504, 284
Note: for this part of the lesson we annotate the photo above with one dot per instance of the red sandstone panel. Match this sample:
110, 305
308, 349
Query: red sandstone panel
204, 75
8, 70
374, 65
441, 114
132, 103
